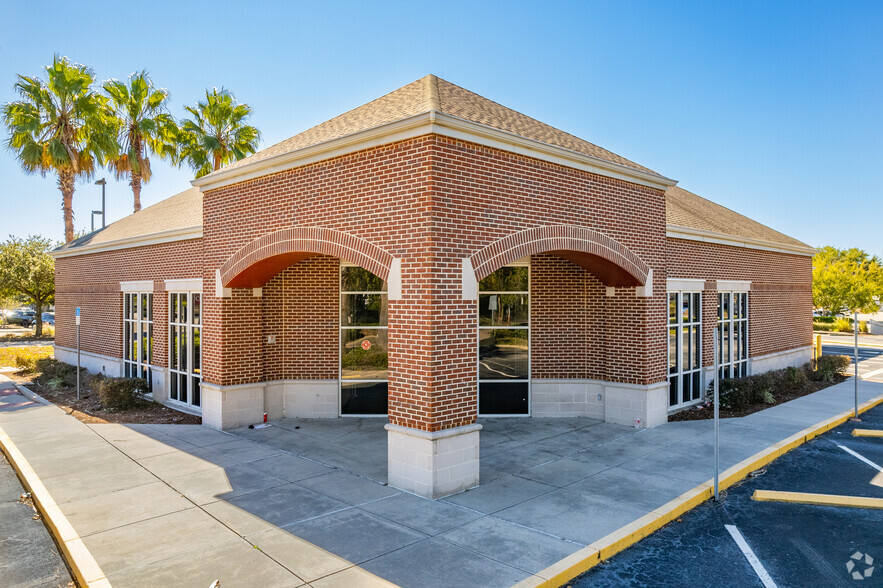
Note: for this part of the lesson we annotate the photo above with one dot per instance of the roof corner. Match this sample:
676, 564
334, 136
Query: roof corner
430, 93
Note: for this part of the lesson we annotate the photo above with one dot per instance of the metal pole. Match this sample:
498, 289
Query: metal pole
103, 211
716, 416
78, 357
855, 359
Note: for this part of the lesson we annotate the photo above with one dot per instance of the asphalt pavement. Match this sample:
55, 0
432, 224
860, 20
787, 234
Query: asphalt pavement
28, 555
794, 544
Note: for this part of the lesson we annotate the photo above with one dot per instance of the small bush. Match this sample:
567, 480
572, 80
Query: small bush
829, 366
817, 326
122, 393
23, 358
843, 325
863, 326
797, 377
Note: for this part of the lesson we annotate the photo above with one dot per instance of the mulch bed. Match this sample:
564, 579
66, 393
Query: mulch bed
706, 411
88, 408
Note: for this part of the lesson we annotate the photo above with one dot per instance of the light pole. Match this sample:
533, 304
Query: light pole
102, 182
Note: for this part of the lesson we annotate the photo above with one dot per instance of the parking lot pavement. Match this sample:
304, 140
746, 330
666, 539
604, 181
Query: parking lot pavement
870, 359
28, 556
796, 544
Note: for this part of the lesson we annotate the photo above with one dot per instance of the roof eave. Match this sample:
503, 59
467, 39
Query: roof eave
692, 234
180, 234
431, 122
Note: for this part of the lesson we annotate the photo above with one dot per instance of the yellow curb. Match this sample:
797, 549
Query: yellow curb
586, 558
817, 499
867, 433
84, 567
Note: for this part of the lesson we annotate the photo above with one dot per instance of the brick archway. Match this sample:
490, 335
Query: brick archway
611, 261
254, 264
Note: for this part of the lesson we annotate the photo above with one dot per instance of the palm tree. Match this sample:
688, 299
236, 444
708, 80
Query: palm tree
145, 128
217, 133
61, 125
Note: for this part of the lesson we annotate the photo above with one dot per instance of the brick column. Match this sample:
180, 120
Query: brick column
433, 437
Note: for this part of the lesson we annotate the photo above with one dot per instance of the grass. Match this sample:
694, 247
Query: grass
23, 357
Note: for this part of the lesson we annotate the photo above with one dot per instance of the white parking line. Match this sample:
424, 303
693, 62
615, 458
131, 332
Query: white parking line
861, 457
752, 559
871, 374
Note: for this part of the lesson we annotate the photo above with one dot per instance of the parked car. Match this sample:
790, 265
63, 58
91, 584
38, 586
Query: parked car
48, 318
25, 318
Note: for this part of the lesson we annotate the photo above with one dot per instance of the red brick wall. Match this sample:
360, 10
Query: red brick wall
780, 301
300, 308
92, 282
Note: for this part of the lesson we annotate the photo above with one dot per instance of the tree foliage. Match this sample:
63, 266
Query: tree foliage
846, 280
144, 128
27, 268
217, 133
60, 125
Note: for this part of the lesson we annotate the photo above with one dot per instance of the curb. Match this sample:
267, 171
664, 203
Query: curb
588, 557
85, 569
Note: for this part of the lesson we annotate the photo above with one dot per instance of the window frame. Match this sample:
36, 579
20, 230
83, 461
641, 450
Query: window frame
340, 330
731, 367
192, 377
695, 327
525, 262
134, 321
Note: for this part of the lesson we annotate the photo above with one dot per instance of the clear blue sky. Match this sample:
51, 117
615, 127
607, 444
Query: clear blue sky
770, 108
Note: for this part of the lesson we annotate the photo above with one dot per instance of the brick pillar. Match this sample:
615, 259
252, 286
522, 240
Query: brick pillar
433, 437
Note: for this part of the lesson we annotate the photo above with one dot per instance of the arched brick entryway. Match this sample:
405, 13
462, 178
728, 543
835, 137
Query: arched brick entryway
263, 258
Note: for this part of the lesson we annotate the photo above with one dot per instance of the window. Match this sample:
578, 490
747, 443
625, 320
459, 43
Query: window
684, 348
363, 342
185, 353
732, 322
504, 342
138, 335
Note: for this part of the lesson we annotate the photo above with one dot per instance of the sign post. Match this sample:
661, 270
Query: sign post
716, 416
855, 361
78, 352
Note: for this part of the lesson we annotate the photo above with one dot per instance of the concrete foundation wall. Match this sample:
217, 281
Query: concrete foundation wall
94, 362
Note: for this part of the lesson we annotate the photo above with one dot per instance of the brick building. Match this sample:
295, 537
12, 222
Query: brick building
433, 257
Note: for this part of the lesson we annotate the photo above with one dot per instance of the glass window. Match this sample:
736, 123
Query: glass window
733, 334
364, 356
684, 348
138, 335
504, 342
185, 349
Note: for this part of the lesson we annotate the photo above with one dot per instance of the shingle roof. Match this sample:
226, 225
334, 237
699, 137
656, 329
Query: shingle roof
176, 212
686, 209
428, 94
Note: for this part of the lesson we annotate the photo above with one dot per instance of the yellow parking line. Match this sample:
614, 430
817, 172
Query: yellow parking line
818, 499
867, 433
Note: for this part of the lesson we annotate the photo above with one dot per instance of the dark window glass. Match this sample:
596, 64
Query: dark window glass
363, 398
173, 386
686, 393
503, 310
194, 391
173, 308
697, 385
363, 309
502, 398
673, 390
685, 348
696, 308
697, 345
182, 313
363, 354
672, 309
673, 351
357, 279
182, 387
196, 306
502, 354
197, 358
182, 349
173, 347
506, 279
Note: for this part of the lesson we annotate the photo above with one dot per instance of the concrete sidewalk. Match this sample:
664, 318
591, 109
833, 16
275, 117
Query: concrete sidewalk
166, 505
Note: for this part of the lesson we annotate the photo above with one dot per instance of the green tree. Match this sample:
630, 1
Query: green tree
217, 133
145, 128
27, 268
846, 280
60, 125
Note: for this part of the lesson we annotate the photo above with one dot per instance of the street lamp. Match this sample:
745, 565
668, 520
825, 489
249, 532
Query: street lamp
102, 182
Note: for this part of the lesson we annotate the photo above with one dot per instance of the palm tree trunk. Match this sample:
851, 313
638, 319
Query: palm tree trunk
136, 190
217, 160
66, 185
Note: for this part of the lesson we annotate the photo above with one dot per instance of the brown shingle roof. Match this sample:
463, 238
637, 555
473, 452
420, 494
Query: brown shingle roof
177, 212
685, 209
428, 94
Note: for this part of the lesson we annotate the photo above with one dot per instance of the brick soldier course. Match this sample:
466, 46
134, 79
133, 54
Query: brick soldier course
432, 190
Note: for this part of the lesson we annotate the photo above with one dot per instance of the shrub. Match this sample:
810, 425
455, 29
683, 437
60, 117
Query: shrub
24, 358
863, 326
122, 393
796, 377
51, 369
817, 326
828, 366
843, 325
740, 393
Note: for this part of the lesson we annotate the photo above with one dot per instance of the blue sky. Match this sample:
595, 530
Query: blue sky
770, 108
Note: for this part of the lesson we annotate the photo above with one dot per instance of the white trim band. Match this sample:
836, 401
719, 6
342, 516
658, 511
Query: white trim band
183, 234
184, 285
685, 285
733, 286
140, 286
691, 234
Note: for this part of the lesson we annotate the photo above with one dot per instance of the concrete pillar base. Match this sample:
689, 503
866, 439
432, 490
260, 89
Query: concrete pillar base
433, 464
231, 407
624, 404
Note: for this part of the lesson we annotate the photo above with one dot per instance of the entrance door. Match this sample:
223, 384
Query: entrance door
363, 343
504, 342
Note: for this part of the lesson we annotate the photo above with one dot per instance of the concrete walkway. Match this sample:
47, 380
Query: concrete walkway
306, 501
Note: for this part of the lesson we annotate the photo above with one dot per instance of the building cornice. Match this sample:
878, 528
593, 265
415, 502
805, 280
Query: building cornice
426, 123
691, 234
182, 234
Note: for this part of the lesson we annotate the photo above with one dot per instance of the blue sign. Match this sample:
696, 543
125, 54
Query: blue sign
78, 311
